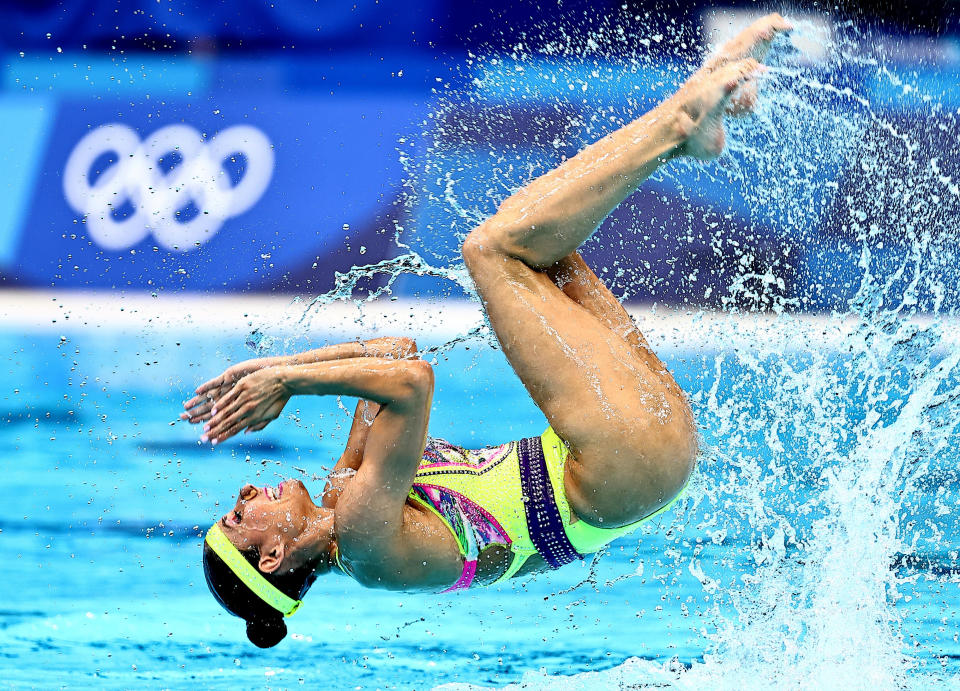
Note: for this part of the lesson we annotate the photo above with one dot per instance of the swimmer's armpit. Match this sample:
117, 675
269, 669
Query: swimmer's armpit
352, 455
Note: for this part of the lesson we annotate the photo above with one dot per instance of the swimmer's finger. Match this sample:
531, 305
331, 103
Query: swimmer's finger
239, 408
257, 427
229, 400
231, 404
197, 409
213, 432
199, 401
211, 384
228, 431
199, 413
195, 401
221, 420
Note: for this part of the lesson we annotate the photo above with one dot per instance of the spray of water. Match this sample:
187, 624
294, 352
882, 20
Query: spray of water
832, 470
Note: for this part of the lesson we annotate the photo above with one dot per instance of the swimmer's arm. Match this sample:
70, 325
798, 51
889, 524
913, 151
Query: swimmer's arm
380, 380
383, 541
199, 408
396, 348
258, 398
352, 455
370, 510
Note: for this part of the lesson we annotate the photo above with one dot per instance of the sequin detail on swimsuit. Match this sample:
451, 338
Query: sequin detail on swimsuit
543, 517
511, 495
472, 526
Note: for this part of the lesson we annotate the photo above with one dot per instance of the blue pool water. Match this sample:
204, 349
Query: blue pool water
105, 498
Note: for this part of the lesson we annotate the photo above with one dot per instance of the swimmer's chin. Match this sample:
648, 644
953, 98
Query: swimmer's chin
293, 486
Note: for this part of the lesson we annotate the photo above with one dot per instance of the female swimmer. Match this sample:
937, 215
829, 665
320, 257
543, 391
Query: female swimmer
406, 512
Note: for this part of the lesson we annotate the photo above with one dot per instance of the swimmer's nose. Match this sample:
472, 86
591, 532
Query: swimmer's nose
247, 492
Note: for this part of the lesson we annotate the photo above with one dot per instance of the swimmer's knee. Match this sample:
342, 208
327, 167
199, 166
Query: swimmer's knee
678, 463
505, 242
483, 244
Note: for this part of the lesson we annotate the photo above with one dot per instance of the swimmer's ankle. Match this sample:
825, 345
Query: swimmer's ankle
672, 127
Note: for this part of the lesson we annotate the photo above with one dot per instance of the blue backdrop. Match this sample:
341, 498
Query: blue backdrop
268, 170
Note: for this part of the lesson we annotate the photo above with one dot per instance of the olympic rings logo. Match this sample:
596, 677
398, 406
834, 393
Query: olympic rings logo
159, 196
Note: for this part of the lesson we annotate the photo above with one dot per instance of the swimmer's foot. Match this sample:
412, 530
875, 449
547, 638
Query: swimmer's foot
701, 103
725, 85
752, 42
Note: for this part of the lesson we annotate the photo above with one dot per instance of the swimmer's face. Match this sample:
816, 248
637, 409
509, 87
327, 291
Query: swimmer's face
264, 517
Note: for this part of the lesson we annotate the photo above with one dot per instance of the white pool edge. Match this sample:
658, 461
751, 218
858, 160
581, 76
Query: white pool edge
433, 320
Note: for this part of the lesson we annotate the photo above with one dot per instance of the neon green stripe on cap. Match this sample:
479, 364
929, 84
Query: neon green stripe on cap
248, 574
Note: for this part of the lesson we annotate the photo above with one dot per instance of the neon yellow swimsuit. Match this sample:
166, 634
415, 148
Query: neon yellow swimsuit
479, 495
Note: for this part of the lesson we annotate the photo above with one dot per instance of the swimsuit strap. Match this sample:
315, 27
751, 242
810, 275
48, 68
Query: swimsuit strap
337, 561
466, 577
543, 517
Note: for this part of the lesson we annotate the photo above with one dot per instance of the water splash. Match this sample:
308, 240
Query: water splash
819, 466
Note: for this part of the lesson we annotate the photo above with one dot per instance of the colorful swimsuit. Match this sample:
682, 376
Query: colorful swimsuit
510, 495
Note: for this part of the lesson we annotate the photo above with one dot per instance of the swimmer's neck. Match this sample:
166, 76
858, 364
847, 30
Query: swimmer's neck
316, 545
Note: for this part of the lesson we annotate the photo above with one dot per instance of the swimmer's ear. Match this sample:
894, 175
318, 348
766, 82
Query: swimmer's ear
270, 561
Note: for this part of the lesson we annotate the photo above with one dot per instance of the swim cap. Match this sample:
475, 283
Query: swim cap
248, 574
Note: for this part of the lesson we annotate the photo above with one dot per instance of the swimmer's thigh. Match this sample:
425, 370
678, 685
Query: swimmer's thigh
629, 433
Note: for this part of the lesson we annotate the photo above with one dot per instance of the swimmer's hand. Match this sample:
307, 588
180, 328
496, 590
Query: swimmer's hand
725, 85
198, 408
251, 404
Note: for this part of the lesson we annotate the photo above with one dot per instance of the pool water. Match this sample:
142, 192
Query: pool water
106, 498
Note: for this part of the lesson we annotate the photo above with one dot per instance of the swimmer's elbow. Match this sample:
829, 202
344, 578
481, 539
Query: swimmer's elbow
421, 373
417, 379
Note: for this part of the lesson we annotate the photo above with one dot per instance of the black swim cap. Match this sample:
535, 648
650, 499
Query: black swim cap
265, 625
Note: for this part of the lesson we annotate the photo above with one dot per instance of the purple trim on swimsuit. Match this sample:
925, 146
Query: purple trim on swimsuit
466, 577
543, 516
